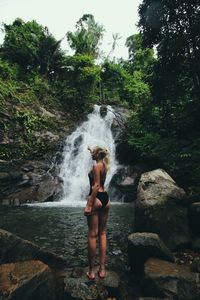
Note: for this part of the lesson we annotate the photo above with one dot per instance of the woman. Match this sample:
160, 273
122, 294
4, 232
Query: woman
96, 210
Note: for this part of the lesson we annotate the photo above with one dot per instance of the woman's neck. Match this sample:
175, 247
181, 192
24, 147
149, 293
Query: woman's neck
99, 160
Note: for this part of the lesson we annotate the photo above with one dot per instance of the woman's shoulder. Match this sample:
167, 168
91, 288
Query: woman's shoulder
97, 166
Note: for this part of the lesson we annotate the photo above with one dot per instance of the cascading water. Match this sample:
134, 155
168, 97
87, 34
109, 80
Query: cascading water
96, 131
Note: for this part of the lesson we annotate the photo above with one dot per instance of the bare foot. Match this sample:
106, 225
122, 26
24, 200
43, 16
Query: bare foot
102, 273
90, 275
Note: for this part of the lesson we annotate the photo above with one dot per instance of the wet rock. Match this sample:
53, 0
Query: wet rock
78, 286
28, 167
48, 189
196, 265
103, 110
26, 195
119, 122
165, 279
26, 280
47, 136
16, 176
124, 183
152, 298
194, 218
36, 182
4, 177
161, 208
84, 289
14, 248
195, 243
142, 246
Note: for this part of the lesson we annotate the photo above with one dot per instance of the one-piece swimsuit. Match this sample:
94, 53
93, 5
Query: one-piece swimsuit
102, 196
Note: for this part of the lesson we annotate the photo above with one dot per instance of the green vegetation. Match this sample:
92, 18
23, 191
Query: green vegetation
167, 127
42, 89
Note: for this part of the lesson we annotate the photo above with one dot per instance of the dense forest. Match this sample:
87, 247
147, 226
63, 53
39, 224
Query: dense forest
43, 87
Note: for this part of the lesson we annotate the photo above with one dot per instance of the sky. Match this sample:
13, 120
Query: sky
60, 16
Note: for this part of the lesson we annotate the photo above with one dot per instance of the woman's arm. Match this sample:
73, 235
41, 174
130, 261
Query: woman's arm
95, 188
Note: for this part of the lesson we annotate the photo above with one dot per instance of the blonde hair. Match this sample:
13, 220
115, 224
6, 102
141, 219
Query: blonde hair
103, 153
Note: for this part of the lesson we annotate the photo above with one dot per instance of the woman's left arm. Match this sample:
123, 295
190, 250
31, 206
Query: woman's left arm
96, 182
95, 188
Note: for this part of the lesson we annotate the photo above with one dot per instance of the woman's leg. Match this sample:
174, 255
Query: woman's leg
93, 224
103, 216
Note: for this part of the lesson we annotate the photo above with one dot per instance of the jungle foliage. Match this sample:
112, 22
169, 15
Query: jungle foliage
159, 84
167, 127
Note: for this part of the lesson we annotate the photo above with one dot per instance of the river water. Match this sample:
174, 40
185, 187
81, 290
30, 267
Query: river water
63, 230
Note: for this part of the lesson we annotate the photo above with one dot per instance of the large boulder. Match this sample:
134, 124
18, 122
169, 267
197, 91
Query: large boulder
123, 185
165, 279
28, 280
142, 246
161, 208
28, 181
14, 249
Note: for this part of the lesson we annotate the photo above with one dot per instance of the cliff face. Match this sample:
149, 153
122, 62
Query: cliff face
32, 134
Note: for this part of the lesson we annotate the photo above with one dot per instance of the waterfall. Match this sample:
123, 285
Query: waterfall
96, 131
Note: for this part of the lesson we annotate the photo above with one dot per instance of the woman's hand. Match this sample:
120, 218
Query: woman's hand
88, 208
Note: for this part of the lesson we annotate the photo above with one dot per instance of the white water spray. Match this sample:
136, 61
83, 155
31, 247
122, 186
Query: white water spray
96, 131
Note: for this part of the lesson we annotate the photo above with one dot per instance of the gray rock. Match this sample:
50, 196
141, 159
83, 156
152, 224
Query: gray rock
124, 183
27, 187
14, 249
160, 208
165, 279
103, 110
78, 286
21, 196
27, 280
196, 265
142, 246
47, 189
4, 177
152, 298
80, 289
194, 218
195, 243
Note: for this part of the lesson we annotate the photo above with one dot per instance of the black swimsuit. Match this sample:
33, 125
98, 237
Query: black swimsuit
102, 196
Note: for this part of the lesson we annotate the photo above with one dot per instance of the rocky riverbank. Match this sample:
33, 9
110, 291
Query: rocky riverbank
164, 224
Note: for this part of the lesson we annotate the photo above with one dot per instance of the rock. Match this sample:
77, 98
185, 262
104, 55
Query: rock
142, 246
194, 218
26, 280
4, 177
36, 182
28, 167
78, 286
43, 112
46, 135
160, 208
152, 298
13, 249
195, 243
26, 195
123, 185
48, 189
119, 121
196, 265
165, 279
103, 110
